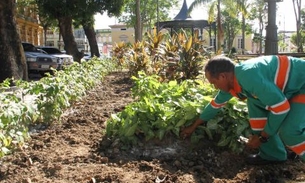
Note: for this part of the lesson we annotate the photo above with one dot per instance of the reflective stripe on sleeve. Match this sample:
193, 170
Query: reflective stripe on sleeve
298, 99
258, 124
280, 108
216, 105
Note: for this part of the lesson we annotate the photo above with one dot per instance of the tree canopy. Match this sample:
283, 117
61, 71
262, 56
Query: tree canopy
78, 12
239, 6
148, 12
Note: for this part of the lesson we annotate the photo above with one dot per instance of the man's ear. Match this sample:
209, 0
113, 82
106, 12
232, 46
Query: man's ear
222, 76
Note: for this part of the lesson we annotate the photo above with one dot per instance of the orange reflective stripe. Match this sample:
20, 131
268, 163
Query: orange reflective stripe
280, 108
299, 148
233, 93
298, 99
236, 88
216, 105
282, 72
258, 123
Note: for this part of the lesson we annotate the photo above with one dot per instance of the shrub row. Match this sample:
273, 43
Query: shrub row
45, 100
164, 108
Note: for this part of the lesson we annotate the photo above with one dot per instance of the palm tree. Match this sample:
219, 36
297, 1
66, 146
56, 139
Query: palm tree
215, 4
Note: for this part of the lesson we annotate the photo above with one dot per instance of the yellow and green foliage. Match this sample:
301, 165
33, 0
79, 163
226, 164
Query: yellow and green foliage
191, 61
176, 57
120, 53
139, 59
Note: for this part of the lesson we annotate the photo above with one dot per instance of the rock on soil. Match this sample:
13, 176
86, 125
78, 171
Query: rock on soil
74, 149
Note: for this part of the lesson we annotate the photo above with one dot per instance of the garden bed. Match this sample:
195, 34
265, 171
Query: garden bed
76, 150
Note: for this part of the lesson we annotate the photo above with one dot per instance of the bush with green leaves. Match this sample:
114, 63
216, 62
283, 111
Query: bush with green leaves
45, 100
161, 109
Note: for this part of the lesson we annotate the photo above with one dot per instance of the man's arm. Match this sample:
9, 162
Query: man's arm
186, 132
208, 112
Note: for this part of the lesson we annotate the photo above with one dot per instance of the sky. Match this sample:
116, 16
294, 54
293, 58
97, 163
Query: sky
285, 16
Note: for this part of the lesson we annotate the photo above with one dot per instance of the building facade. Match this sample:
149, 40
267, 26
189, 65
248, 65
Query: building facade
104, 41
122, 33
28, 25
103, 38
53, 39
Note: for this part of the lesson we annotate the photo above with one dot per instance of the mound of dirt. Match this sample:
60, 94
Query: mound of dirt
75, 150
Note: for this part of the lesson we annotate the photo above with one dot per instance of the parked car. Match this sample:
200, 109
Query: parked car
38, 62
87, 57
62, 58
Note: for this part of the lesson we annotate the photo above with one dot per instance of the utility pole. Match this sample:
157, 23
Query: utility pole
271, 46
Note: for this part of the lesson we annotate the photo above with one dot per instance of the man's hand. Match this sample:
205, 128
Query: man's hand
186, 132
254, 142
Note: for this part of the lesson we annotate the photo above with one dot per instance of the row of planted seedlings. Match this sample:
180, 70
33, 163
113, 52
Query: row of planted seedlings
164, 108
44, 101
170, 93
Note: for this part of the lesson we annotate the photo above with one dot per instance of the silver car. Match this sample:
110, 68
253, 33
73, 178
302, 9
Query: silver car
38, 62
63, 59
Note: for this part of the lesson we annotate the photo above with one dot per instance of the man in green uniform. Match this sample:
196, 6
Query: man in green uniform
274, 87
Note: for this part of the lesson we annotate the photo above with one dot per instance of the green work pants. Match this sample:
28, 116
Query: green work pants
274, 149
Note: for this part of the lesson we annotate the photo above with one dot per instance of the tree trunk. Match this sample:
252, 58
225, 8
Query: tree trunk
90, 33
243, 34
261, 41
298, 22
261, 27
45, 28
220, 34
65, 25
13, 62
138, 33
59, 40
230, 43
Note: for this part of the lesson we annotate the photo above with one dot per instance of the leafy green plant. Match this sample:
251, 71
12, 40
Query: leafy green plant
227, 126
158, 108
163, 108
45, 100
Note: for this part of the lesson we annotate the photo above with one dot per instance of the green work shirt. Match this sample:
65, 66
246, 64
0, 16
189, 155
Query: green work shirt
267, 80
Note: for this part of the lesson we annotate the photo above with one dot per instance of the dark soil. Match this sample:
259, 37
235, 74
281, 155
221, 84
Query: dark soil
75, 150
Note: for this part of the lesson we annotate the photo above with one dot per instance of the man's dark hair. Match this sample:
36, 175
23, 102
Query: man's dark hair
219, 64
